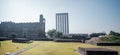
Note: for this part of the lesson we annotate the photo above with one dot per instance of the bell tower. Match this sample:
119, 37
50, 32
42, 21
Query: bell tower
42, 24
41, 18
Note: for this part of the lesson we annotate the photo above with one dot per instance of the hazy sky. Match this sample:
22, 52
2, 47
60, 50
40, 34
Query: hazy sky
85, 16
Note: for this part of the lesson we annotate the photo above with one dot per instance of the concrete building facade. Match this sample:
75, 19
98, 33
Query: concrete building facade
62, 23
34, 30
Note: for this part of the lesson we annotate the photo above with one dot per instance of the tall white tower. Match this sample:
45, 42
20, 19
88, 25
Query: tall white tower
62, 23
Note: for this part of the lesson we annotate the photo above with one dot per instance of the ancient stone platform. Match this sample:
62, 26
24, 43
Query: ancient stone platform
96, 51
108, 44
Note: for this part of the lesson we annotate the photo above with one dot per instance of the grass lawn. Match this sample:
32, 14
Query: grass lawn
57, 48
8, 46
48, 48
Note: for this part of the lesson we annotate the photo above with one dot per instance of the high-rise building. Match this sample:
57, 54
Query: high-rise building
62, 23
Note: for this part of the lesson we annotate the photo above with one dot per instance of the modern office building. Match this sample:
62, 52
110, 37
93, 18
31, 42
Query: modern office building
62, 23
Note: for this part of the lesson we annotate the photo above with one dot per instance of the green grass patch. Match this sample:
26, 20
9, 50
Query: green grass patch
57, 48
111, 38
48, 48
9, 46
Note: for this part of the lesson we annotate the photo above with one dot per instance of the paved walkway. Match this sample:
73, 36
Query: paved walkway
24, 49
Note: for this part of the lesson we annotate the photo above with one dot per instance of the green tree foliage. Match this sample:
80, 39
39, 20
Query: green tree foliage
58, 34
54, 34
110, 38
13, 35
114, 33
97, 34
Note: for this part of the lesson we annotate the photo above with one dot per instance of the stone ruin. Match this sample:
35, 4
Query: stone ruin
96, 51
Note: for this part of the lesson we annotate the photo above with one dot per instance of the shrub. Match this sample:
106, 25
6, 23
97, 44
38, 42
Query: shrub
110, 38
13, 35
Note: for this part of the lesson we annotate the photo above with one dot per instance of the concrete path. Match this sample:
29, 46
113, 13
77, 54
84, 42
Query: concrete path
24, 49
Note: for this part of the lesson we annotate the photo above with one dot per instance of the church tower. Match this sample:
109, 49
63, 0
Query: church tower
42, 23
42, 20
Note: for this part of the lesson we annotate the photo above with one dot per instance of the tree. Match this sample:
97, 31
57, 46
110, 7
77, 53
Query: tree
102, 33
97, 34
114, 33
52, 33
94, 35
110, 38
58, 34
13, 35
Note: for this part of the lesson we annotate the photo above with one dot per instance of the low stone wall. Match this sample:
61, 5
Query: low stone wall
46, 39
102, 53
21, 40
96, 51
4, 38
67, 40
108, 44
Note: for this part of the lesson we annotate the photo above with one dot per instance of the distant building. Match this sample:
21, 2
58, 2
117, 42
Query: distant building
78, 35
35, 30
62, 23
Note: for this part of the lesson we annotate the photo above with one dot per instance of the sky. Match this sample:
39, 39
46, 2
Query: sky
85, 16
